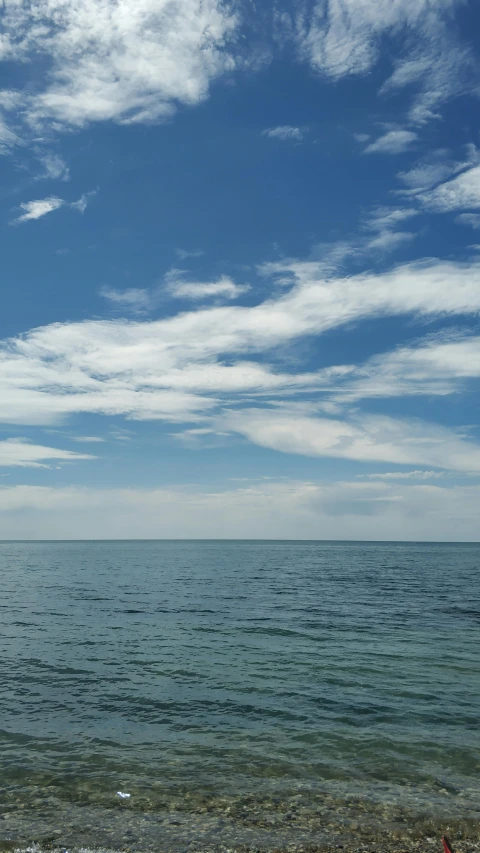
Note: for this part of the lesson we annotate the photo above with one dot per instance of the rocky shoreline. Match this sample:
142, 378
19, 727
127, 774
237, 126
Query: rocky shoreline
301, 821
394, 845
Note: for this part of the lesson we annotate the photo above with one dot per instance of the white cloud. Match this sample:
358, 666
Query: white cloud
271, 509
436, 168
426, 174
128, 61
392, 142
87, 439
343, 37
437, 69
364, 438
318, 301
185, 253
197, 290
439, 366
138, 300
461, 192
201, 438
40, 207
407, 475
135, 299
18, 452
378, 234
54, 167
8, 137
180, 368
284, 132
136, 60
82, 203
387, 241
471, 219
384, 220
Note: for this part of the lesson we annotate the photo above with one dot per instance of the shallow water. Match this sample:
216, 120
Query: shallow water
261, 693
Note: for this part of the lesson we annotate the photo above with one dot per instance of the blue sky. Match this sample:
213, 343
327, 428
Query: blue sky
241, 269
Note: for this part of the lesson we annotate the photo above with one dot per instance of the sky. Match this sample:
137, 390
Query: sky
240, 251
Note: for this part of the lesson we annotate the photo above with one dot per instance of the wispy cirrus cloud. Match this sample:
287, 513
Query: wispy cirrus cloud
284, 132
183, 254
387, 218
388, 240
440, 184
136, 300
184, 367
8, 138
383, 222
460, 192
224, 287
427, 173
392, 142
440, 366
345, 37
436, 168
471, 219
419, 474
40, 207
437, 69
95, 60
37, 209
54, 167
341, 37
82, 203
364, 438
20, 453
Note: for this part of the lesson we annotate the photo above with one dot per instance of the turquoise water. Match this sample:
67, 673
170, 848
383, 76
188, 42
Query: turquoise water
240, 691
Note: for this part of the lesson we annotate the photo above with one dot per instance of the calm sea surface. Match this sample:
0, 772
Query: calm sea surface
241, 692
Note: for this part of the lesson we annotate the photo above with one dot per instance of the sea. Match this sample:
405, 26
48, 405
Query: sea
233, 695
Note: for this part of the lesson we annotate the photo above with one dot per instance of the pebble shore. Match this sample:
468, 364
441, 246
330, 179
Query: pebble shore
295, 821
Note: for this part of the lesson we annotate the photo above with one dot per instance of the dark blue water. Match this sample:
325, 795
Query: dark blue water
230, 684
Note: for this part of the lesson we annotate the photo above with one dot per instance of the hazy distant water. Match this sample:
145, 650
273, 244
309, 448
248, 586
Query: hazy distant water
238, 690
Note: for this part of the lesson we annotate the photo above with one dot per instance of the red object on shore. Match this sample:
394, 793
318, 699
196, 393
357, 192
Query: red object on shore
446, 845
